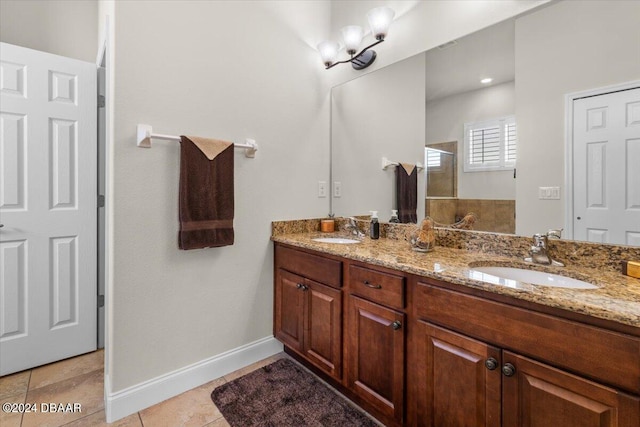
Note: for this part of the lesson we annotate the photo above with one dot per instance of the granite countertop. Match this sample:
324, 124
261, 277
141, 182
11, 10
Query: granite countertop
617, 297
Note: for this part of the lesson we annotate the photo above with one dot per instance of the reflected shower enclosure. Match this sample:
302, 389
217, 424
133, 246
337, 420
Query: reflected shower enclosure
441, 170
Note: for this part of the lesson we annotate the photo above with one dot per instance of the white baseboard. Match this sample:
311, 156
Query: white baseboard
138, 397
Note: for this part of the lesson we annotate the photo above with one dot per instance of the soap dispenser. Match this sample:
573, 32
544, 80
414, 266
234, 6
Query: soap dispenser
394, 216
374, 228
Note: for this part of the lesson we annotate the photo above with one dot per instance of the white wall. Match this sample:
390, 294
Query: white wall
226, 70
567, 47
61, 27
378, 115
445, 122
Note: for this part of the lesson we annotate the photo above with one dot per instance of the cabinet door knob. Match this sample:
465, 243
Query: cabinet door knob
491, 363
371, 285
396, 325
508, 370
299, 285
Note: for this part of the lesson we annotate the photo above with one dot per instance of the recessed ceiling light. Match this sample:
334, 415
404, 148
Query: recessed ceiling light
486, 81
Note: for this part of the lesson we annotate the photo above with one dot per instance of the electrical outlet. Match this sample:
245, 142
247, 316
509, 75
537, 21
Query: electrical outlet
322, 189
337, 189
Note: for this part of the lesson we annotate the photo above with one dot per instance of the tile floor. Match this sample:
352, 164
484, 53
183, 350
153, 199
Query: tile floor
80, 379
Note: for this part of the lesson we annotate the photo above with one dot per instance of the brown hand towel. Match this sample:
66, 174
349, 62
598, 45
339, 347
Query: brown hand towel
407, 192
206, 193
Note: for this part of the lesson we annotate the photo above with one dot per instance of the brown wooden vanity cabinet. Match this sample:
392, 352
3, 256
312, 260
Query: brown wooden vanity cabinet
536, 394
457, 378
423, 352
375, 340
307, 313
466, 381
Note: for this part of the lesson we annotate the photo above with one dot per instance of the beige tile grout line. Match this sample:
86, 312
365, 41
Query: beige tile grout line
26, 393
87, 415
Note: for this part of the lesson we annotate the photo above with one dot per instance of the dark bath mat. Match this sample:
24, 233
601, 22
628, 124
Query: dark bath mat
283, 394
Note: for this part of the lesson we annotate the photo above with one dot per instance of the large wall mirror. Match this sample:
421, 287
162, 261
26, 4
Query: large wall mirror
521, 169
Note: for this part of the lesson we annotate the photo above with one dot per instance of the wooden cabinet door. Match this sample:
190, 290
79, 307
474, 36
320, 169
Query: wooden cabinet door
323, 329
458, 379
376, 352
539, 395
289, 309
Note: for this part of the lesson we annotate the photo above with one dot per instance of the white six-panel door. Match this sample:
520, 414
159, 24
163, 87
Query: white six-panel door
606, 160
47, 208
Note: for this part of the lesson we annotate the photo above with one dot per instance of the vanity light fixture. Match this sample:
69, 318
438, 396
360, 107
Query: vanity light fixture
486, 81
379, 20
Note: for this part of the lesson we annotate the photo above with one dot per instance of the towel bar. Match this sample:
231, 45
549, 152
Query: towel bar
145, 135
386, 163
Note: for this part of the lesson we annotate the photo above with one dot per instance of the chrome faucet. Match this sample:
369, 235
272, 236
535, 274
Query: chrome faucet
352, 227
539, 250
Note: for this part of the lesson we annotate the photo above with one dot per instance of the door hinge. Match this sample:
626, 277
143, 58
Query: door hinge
101, 101
101, 200
100, 300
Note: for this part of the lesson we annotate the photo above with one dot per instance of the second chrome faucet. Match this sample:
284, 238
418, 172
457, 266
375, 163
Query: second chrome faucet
540, 250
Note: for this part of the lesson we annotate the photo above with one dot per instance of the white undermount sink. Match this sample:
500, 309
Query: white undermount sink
510, 276
338, 240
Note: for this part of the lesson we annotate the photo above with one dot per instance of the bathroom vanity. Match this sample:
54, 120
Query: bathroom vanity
415, 340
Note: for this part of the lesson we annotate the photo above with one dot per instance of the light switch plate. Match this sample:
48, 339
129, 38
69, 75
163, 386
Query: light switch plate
549, 193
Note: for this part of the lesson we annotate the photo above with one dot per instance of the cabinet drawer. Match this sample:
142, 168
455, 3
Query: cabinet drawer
606, 356
314, 267
384, 288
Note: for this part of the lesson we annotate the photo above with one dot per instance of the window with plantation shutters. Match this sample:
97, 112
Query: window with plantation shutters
433, 159
490, 145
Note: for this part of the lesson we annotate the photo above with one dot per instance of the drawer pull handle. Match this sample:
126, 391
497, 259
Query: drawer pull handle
371, 285
491, 363
396, 325
508, 370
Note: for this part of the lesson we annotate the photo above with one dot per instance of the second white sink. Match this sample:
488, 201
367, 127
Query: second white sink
510, 276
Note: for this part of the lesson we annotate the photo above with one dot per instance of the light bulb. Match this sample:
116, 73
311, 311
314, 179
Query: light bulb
352, 36
379, 19
328, 52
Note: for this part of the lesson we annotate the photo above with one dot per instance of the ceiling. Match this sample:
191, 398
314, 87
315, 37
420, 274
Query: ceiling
458, 67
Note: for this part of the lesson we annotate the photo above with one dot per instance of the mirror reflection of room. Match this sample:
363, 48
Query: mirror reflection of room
470, 103
543, 178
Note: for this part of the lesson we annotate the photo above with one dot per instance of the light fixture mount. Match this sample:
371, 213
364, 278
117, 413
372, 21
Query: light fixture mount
379, 19
363, 60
